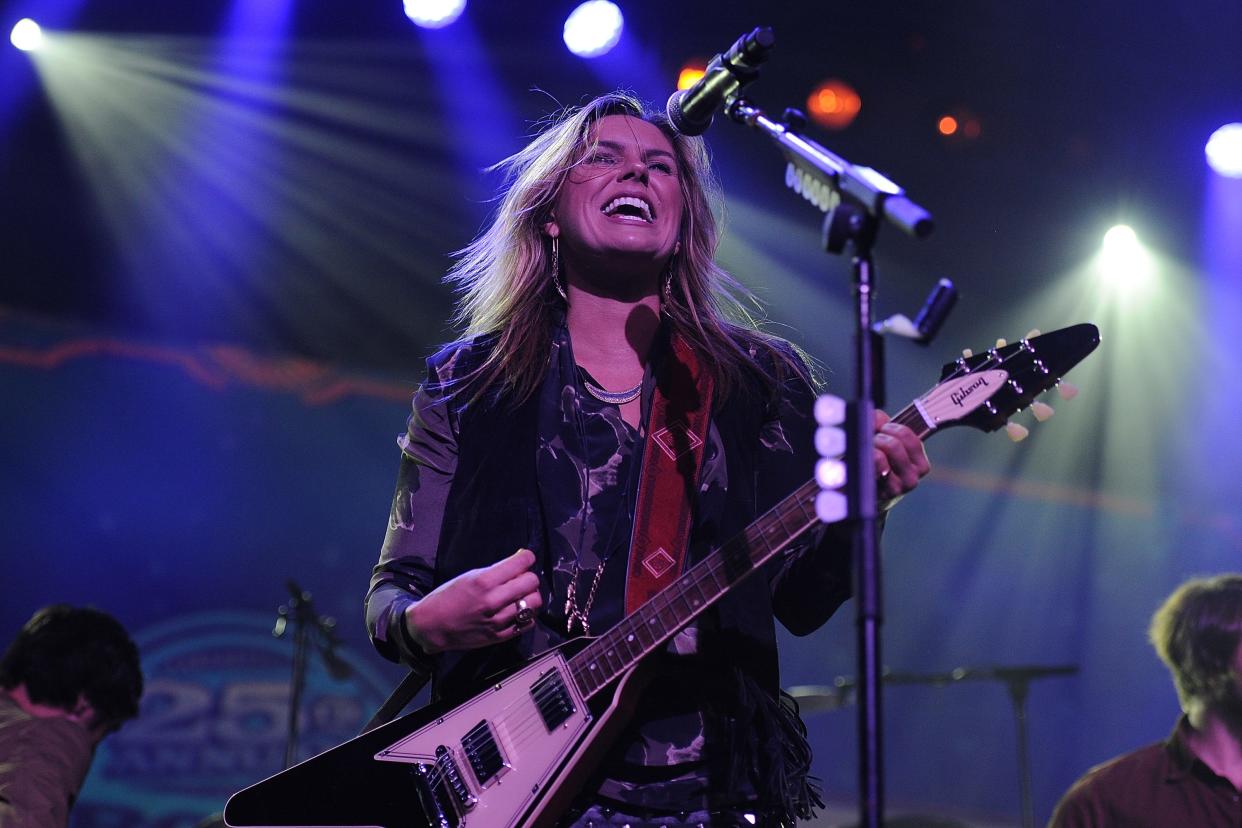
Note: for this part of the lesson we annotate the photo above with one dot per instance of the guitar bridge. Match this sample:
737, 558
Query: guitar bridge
450, 779
435, 798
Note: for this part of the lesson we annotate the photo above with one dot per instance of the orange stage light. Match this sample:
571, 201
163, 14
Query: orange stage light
960, 125
833, 104
691, 73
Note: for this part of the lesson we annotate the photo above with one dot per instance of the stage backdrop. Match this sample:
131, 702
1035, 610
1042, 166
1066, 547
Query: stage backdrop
181, 488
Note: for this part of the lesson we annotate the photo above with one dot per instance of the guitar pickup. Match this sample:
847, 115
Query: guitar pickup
482, 751
552, 699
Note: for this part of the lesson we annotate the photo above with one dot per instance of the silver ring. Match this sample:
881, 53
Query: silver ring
524, 613
885, 473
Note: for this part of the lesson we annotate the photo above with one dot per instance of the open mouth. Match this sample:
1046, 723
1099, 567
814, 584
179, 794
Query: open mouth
629, 207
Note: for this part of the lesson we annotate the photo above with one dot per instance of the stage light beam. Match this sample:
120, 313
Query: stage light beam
434, 14
1224, 151
593, 28
26, 35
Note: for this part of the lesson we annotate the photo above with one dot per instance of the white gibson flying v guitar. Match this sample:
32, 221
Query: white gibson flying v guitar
517, 752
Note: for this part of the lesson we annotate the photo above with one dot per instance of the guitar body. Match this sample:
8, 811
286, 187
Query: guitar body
515, 753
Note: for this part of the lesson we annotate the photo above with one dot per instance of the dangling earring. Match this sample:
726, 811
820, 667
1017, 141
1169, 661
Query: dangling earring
668, 274
556, 268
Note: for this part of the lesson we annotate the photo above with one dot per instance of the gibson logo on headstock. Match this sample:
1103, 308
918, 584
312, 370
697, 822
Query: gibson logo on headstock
959, 396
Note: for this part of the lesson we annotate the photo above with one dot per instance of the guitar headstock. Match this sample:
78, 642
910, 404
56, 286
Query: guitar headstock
984, 390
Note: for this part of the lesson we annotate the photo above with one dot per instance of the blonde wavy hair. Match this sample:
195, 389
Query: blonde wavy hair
504, 277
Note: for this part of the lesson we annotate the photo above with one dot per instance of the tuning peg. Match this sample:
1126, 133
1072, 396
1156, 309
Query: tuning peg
1067, 390
1034, 332
967, 353
1041, 410
1000, 343
1016, 432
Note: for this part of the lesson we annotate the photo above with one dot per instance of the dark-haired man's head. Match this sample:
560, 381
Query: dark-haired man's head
77, 660
1197, 632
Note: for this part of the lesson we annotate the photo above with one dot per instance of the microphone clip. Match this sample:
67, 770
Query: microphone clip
930, 318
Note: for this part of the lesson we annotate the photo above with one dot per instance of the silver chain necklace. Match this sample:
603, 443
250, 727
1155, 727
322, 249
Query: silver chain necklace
614, 397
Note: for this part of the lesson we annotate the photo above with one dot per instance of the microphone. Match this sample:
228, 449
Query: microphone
935, 310
691, 110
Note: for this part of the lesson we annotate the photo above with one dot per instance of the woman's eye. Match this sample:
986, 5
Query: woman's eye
661, 166
601, 158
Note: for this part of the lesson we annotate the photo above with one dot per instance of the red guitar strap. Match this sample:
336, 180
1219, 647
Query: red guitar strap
681, 405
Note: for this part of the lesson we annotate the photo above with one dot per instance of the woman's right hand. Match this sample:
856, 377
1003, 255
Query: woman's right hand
477, 608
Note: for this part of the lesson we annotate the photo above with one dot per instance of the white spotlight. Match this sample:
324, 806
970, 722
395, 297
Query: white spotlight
1224, 150
1120, 237
434, 14
1124, 262
593, 28
26, 35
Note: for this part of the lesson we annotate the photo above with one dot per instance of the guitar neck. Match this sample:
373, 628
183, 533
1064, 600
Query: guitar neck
674, 607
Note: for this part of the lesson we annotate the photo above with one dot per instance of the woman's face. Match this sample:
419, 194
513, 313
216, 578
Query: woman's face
622, 203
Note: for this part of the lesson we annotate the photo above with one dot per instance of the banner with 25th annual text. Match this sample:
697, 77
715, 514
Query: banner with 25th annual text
181, 489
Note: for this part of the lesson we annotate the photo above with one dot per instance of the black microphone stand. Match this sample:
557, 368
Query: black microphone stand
308, 627
856, 199
1017, 680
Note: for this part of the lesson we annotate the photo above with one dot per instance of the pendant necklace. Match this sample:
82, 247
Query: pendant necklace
574, 614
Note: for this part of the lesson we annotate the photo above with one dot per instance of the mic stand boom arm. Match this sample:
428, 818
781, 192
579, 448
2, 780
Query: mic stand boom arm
856, 200
824, 178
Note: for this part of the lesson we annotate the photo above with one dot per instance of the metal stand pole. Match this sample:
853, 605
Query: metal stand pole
849, 225
1018, 691
308, 628
867, 582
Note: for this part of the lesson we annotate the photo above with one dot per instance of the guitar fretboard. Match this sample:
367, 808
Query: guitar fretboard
675, 606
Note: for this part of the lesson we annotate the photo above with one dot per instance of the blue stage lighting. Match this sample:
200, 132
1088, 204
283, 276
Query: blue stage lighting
434, 14
1224, 150
26, 35
593, 28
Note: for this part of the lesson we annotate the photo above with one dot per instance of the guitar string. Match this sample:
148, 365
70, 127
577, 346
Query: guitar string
629, 634
619, 640
715, 568
908, 416
613, 645
519, 730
